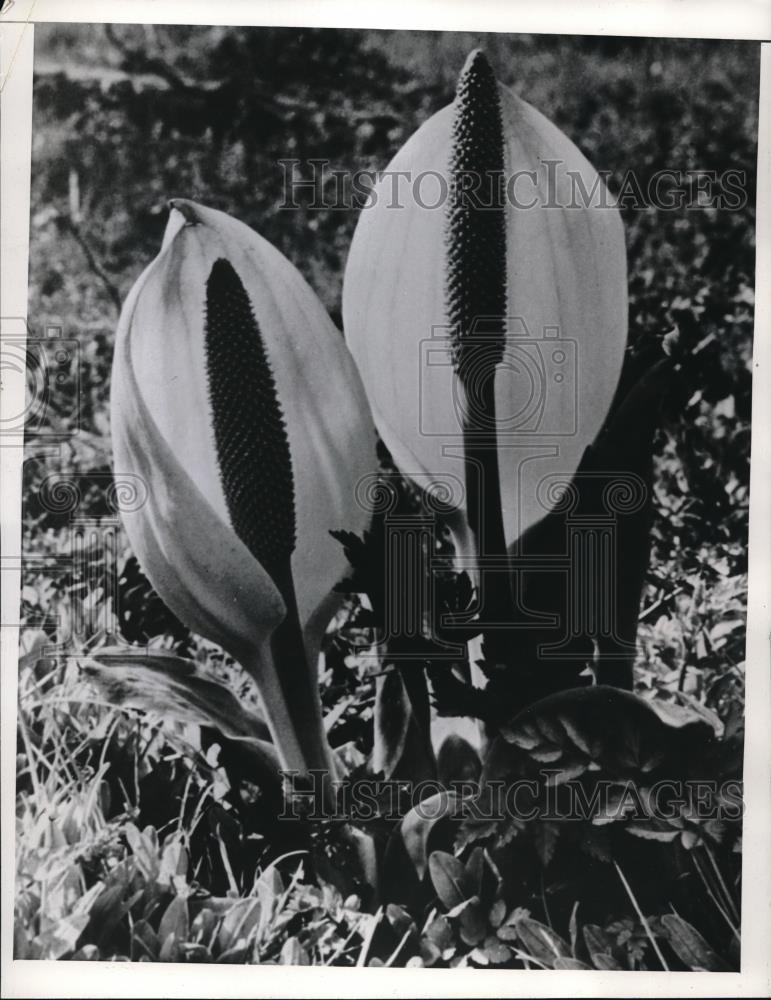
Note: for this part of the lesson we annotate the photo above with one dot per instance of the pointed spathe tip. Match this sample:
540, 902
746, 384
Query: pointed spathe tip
182, 213
187, 209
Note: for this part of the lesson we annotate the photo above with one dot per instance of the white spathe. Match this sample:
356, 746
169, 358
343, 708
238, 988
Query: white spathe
162, 427
566, 279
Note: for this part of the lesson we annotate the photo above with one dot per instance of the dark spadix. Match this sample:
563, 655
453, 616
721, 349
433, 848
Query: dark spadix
476, 221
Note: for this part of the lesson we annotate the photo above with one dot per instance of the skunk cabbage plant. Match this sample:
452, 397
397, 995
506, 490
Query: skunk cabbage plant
486, 305
236, 400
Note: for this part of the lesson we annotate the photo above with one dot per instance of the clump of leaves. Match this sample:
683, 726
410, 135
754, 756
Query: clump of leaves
144, 908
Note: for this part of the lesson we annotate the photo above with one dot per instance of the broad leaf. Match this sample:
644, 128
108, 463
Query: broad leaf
473, 926
690, 947
401, 747
420, 821
541, 941
450, 879
158, 681
597, 939
439, 932
545, 836
173, 929
623, 732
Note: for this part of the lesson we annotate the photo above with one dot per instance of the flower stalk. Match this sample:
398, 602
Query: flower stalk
475, 240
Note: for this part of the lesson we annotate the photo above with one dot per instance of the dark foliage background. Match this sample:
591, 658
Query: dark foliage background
127, 117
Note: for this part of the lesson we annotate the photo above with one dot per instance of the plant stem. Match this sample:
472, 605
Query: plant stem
641, 915
288, 687
484, 506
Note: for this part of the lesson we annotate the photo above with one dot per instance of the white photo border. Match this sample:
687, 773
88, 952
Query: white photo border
739, 19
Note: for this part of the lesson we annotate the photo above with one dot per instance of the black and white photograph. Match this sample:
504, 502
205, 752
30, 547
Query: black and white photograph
381, 591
